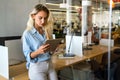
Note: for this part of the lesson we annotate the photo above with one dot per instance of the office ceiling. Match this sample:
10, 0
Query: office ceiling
95, 3
74, 2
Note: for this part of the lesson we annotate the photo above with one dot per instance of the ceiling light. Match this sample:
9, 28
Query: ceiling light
86, 3
63, 5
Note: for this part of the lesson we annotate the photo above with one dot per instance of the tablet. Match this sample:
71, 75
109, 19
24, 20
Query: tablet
53, 44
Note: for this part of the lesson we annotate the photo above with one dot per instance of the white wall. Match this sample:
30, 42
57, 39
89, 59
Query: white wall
14, 16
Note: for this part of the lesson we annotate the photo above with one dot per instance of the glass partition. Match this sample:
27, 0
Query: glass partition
100, 17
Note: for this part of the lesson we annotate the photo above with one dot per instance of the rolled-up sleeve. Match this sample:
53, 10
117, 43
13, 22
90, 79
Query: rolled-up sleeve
26, 48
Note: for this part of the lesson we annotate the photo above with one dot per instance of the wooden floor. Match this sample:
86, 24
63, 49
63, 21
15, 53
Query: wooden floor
23, 76
18, 72
2, 78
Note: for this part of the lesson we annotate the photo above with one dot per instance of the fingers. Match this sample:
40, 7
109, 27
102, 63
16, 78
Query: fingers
47, 47
44, 48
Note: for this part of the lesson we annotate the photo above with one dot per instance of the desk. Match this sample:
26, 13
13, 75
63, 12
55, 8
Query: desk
97, 50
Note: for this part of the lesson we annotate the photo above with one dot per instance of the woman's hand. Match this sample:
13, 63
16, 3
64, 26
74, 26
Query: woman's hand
44, 48
41, 50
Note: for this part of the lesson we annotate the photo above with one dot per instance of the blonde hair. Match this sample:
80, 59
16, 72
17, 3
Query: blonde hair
48, 27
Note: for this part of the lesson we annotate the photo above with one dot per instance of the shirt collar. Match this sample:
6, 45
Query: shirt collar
33, 30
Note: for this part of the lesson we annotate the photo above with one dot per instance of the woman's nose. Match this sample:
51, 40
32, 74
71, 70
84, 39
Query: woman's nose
43, 20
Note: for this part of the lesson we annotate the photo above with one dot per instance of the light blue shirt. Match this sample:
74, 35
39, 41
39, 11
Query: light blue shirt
32, 40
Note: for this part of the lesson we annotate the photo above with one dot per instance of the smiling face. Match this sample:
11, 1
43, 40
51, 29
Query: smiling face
40, 19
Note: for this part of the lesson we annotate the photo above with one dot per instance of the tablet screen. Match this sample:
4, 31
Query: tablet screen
53, 43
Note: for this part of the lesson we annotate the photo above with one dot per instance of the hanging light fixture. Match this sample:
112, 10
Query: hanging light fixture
113, 4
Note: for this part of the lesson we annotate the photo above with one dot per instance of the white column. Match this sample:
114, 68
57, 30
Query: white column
84, 20
85, 4
68, 13
101, 8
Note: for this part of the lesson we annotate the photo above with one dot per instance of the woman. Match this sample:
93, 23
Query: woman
37, 53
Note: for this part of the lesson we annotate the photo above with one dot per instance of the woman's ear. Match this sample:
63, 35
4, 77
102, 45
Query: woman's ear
33, 16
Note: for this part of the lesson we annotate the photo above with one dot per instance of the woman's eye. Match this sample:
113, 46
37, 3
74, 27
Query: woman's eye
40, 18
45, 18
